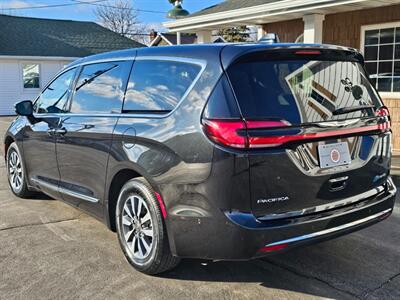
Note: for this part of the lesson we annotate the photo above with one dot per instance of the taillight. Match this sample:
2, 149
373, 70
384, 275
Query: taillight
383, 112
234, 133
226, 132
273, 140
246, 134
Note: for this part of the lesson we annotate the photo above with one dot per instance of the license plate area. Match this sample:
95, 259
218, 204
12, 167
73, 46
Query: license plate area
333, 155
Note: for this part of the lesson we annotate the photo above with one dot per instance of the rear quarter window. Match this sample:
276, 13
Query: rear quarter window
158, 86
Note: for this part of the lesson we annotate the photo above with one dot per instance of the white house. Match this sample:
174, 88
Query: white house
33, 50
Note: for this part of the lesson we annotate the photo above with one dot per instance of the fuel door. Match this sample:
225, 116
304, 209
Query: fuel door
129, 138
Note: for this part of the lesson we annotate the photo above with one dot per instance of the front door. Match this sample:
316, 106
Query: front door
85, 134
39, 136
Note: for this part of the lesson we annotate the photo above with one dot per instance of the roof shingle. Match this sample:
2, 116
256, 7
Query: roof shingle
231, 5
23, 36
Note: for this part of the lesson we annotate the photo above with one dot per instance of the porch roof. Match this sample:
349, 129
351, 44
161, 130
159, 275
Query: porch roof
257, 12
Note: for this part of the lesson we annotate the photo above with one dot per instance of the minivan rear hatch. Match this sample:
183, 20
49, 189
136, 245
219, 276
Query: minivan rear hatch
317, 133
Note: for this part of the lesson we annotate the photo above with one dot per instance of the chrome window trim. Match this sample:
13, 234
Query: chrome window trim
199, 62
64, 190
108, 115
330, 230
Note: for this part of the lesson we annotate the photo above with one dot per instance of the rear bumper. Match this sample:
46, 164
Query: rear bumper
240, 236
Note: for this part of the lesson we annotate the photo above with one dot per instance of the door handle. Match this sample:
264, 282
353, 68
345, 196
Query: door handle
60, 131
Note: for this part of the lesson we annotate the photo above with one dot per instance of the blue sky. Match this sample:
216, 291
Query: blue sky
85, 12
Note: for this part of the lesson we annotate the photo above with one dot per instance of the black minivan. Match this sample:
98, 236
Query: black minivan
220, 152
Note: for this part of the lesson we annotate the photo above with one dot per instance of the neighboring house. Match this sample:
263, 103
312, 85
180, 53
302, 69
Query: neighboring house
33, 50
169, 39
372, 26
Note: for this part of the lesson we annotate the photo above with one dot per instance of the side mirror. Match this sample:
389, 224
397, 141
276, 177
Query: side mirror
24, 108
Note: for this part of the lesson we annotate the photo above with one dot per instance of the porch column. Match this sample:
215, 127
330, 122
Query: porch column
260, 32
178, 38
313, 25
203, 37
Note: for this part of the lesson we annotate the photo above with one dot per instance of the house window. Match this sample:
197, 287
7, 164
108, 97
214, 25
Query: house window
31, 76
381, 46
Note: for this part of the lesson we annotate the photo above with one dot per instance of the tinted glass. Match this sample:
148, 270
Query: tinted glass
222, 103
100, 88
54, 99
301, 91
158, 85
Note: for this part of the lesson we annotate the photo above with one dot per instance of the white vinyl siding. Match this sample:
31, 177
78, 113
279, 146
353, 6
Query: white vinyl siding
11, 81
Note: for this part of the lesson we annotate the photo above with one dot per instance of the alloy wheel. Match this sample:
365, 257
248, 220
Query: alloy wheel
15, 171
137, 227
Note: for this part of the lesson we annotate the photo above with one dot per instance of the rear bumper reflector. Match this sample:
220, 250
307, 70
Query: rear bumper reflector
162, 206
284, 243
273, 248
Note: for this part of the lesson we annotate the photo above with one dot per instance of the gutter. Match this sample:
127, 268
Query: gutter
252, 13
48, 58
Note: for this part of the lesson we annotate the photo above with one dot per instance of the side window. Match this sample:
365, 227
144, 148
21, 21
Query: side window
100, 88
54, 98
158, 86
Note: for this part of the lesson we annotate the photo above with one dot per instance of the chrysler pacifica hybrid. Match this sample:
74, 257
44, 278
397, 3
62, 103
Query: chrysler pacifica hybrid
220, 152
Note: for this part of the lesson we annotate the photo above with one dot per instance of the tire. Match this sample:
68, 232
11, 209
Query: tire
143, 239
16, 172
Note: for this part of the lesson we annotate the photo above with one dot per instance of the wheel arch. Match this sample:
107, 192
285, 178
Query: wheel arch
117, 182
8, 140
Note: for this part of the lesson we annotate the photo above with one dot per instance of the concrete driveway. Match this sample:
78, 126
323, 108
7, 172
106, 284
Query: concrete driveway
49, 250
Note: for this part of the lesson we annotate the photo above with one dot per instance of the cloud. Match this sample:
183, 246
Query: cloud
156, 26
15, 4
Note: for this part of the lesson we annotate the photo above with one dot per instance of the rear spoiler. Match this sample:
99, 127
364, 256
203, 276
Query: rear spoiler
236, 53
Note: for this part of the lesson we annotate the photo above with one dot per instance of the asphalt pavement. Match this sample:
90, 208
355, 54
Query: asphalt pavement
49, 250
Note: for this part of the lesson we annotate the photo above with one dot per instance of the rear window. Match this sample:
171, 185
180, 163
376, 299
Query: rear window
301, 91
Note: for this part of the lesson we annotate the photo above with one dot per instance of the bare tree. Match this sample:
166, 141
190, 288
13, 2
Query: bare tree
120, 16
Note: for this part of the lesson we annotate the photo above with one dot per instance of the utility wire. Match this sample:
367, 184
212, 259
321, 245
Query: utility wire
49, 5
96, 3
113, 6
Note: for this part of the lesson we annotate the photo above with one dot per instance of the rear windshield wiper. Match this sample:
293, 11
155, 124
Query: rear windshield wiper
350, 109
